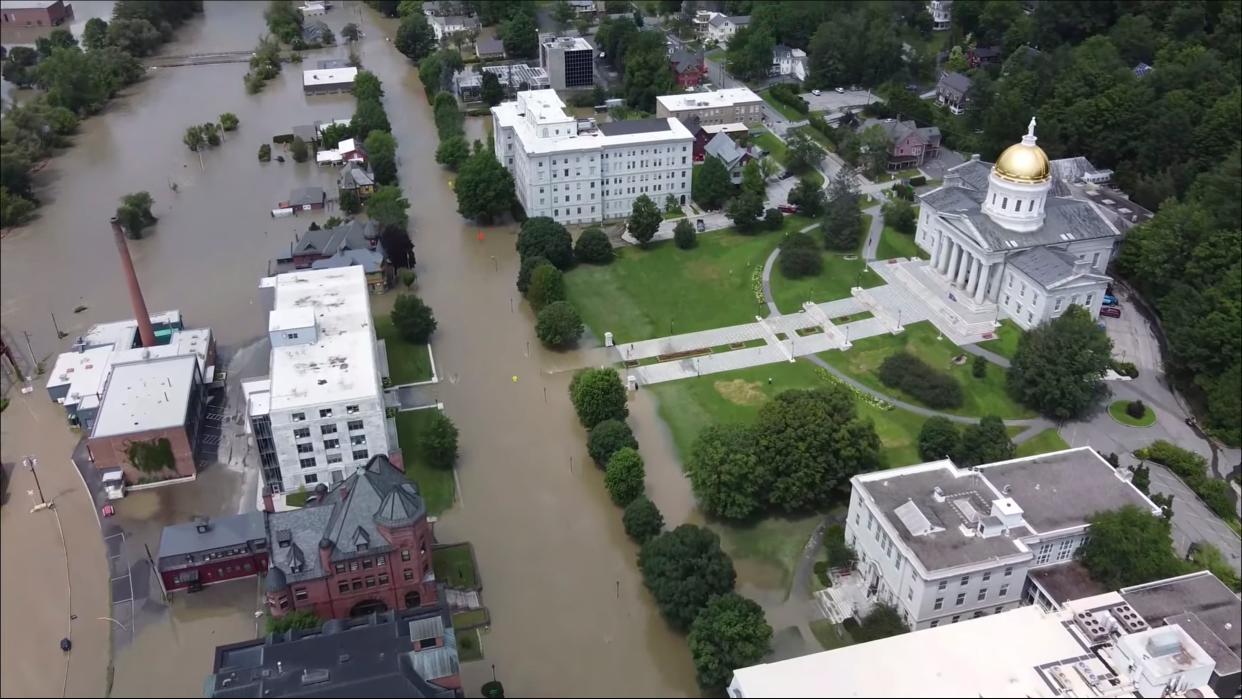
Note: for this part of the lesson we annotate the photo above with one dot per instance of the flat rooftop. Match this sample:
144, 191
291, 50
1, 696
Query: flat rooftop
544, 110
145, 395
1217, 613
328, 76
634, 126
340, 365
1066, 581
708, 100
569, 43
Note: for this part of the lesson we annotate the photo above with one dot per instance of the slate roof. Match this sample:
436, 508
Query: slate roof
306, 195
1046, 266
351, 235
353, 176
954, 82
489, 46
370, 261
684, 60
235, 530
898, 130
725, 148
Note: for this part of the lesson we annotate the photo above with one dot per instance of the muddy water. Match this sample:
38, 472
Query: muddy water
569, 613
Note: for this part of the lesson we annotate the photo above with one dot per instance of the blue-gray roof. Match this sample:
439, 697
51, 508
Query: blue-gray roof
234, 531
724, 148
351, 235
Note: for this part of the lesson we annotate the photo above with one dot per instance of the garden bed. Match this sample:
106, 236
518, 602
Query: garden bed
454, 565
1117, 410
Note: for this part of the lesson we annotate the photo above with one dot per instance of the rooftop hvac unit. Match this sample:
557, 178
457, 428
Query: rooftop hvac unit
1091, 626
1130, 619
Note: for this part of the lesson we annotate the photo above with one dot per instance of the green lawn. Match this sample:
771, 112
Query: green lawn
454, 565
717, 55
667, 291
816, 136
834, 282
1006, 342
469, 619
1117, 409
775, 541
786, 111
407, 363
297, 498
469, 646
777, 149
986, 396
675, 213
831, 636
435, 484
896, 244
1042, 443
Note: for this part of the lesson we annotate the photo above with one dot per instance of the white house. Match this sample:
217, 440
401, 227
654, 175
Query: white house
1002, 235
942, 14
942, 543
721, 28
448, 25
575, 172
320, 413
789, 61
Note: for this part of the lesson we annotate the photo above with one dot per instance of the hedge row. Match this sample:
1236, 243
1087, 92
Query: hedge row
914, 376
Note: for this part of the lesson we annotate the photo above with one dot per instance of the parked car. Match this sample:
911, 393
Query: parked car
786, 175
787, 209
1110, 300
840, 91
817, 93
114, 484
699, 225
1111, 311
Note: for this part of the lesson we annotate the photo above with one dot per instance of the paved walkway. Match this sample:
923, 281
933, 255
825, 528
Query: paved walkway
873, 233
1193, 521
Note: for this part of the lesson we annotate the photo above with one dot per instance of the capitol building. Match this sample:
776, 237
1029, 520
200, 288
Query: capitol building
1014, 239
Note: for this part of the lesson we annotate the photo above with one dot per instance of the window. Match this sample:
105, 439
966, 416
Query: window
999, 609
934, 624
1009, 280
1022, 293
300, 593
358, 439
983, 594
943, 584
340, 567
343, 587
939, 603
976, 615
370, 581
987, 576
308, 462
408, 574
325, 412
1089, 298
1056, 306
306, 448
298, 417
353, 566
383, 579
381, 561
910, 593
1004, 202
355, 425
1003, 591
331, 444
291, 336
367, 563
1095, 260
334, 458
360, 454
956, 618
301, 433
1044, 555
1066, 549
327, 429
311, 478
965, 580
1008, 571
405, 554
961, 598
357, 583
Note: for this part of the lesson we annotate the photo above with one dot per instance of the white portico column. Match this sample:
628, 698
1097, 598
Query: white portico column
994, 282
973, 281
963, 269
938, 251
955, 256
943, 255
985, 271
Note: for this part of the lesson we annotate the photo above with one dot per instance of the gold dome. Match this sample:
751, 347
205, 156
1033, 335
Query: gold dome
1023, 163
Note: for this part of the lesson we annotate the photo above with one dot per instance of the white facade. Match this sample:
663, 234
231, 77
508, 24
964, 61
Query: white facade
447, 26
942, 14
728, 106
944, 544
575, 173
789, 61
324, 401
721, 28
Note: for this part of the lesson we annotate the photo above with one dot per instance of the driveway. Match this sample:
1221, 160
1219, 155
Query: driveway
1193, 521
832, 101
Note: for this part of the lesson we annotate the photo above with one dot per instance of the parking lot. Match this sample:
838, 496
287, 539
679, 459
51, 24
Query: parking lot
833, 101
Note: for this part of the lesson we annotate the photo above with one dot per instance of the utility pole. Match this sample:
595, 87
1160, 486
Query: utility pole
59, 333
32, 463
33, 358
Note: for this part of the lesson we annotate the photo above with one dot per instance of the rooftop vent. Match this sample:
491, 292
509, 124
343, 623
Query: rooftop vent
938, 494
319, 676
1091, 626
1129, 619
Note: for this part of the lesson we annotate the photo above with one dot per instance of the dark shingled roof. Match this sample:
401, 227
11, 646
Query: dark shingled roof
178, 540
351, 235
1045, 266
683, 60
955, 81
633, 126
1211, 603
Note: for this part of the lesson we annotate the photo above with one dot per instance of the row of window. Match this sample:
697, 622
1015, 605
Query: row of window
304, 432
961, 597
312, 462
325, 413
976, 615
1017, 205
965, 580
356, 440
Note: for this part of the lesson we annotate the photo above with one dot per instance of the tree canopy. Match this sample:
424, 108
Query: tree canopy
607, 437
415, 37
484, 187
939, 438
541, 236
710, 185
984, 443
728, 478
642, 520
808, 197
731, 632
387, 207
645, 219
1129, 546
624, 474
1059, 365
520, 36
598, 395
684, 568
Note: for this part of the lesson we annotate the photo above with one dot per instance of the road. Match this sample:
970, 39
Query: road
1193, 521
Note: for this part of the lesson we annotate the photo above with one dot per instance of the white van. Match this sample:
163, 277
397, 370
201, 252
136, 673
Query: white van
114, 484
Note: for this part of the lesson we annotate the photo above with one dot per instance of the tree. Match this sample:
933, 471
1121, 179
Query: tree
985, 443
939, 439
799, 262
1142, 478
839, 553
744, 210
295, 620
381, 149
808, 197
520, 36
1129, 546
14, 208
196, 141
671, 205
726, 474
979, 367
135, 213
407, 277
348, 201
547, 285
413, 319
899, 214
882, 621
452, 152
398, 246
367, 88
773, 219
750, 53
493, 93
415, 38
843, 218
298, 149
752, 179
606, 438
527, 270
598, 395
211, 132
802, 154
645, 219
684, 236
94, 34
1059, 366
349, 32
932, 387
710, 185
541, 236
684, 568
593, 247
229, 121
623, 476
562, 13
57, 38
642, 520
437, 443
137, 37
1206, 556
19, 65
484, 187
731, 632
265, 155
814, 442
283, 20
448, 117
387, 207
647, 71
369, 116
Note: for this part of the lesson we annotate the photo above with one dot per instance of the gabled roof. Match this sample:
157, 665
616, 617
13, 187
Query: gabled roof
725, 148
306, 195
683, 60
351, 235
1050, 267
899, 130
954, 81
486, 46
354, 175
235, 530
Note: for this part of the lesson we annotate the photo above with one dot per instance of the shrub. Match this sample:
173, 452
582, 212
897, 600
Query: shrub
529, 265
349, 202
623, 477
684, 236
1136, 409
543, 237
413, 319
918, 181
407, 277
598, 395
438, 442
1126, 369
547, 285
558, 324
229, 121
786, 94
773, 219
799, 239
978, 367
800, 262
902, 216
607, 438
840, 555
265, 153
912, 375
299, 150
684, 568
293, 620
593, 247
938, 439
642, 520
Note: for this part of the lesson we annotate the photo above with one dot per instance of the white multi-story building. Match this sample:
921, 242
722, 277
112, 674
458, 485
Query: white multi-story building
729, 106
722, 28
788, 61
942, 543
569, 61
320, 413
575, 172
942, 14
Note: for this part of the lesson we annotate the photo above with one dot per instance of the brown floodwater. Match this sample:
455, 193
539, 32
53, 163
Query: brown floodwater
569, 613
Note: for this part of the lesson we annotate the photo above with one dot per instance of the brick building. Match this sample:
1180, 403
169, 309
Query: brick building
35, 13
206, 551
361, 546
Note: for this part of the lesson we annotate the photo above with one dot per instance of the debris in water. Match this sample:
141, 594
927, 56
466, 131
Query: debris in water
79, 309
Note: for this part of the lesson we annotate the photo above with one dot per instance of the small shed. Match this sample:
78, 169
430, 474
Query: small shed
306, 199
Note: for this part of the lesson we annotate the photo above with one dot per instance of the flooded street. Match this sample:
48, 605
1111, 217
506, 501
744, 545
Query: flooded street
569, 613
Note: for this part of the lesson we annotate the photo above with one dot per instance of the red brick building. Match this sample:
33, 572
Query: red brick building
361, 546
195, 554
689, 67
35, 13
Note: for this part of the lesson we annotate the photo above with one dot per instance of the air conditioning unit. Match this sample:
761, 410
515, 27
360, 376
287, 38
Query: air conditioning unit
1091, 626
1130, 619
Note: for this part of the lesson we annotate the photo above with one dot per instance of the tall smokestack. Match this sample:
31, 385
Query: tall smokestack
135, 292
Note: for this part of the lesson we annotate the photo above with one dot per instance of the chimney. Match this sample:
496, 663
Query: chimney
135, 292
268, 504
